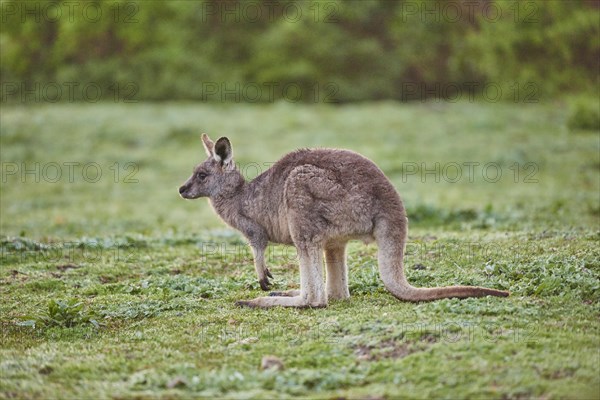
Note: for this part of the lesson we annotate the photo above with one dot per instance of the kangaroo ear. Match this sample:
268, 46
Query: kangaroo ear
208, 145
223, 152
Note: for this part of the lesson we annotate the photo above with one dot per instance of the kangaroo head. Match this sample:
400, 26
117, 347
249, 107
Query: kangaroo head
217, 175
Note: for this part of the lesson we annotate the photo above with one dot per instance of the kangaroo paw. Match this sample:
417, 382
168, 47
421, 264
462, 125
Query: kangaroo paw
265, 284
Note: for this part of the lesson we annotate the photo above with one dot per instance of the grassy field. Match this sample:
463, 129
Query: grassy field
114, 287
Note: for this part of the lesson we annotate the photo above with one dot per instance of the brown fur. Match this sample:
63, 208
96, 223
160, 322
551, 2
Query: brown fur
316, 200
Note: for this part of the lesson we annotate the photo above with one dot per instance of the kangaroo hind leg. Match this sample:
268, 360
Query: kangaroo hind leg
337, 271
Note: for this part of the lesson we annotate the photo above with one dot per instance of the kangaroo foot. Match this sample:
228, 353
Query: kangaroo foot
286, 293
281, 301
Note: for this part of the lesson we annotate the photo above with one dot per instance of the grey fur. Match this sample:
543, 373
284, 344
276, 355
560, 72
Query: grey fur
316, 200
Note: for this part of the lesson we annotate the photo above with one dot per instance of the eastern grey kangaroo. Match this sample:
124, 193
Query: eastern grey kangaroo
316, 200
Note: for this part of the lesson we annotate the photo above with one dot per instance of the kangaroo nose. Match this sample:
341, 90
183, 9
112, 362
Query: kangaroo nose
181, 189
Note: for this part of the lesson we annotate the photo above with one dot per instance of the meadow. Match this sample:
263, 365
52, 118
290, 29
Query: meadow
113, 286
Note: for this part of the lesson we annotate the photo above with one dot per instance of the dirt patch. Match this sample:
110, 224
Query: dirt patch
65, 267
106, 279
16, 275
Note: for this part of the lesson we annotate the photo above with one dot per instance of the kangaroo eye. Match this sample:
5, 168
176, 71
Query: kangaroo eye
201, 175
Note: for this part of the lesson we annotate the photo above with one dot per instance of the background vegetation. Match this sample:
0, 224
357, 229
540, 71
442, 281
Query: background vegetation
327, 50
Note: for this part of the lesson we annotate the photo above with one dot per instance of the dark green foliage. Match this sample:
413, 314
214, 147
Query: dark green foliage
313, 51
585, 116
61, 313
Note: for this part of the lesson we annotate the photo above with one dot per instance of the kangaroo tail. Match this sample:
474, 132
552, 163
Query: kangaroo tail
391, 240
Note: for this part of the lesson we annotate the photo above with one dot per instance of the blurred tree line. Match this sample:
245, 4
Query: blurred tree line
309, 51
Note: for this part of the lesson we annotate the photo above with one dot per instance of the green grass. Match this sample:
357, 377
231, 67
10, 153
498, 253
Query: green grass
160, 275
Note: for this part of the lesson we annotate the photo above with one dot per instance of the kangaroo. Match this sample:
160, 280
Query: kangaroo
316, 200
